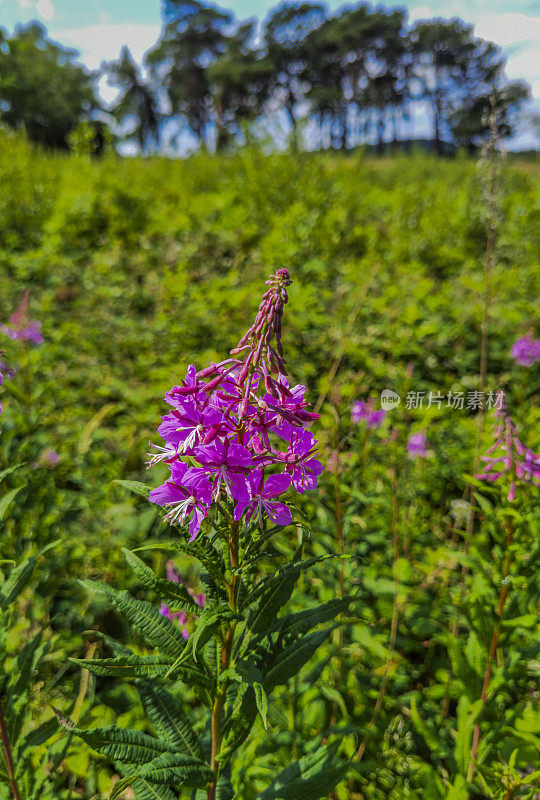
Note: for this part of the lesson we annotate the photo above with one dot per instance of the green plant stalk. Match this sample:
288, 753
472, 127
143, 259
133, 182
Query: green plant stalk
219, 699
8, 756
491, 655
395, 611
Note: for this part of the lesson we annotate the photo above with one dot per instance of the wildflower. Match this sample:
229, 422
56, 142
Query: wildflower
49, 458
183, 502
526, 351
23, 329
508, 455
261, 497
365, 412
416, 445
218, 436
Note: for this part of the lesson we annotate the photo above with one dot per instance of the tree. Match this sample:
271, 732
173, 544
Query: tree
193, 38
472, 123
285, 32
42, 88
357, 68
451, 66
239, 82
137, 105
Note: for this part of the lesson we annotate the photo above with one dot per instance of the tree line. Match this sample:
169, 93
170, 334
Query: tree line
326, 80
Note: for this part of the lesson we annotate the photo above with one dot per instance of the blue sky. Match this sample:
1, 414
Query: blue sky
98, 28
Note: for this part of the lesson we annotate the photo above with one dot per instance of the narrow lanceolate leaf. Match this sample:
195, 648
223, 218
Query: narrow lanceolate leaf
144, 790
262, 702
136, 487
5, 472
27, 660
290, 660
224, 789
178, 769
207, 624
135, 666
292, 568
310, 778
18, 580
166, 590
274, 597
156, 629
298, 624
169, 719
7, 499
123, 744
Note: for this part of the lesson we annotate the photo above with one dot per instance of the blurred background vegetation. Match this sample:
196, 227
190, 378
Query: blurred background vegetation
137, 268
306, 76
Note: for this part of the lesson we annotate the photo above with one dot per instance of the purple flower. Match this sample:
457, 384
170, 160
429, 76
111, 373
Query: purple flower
526, 351
217, 437
298, 459
416, 445
508, 455
49, 458
365, 412
23, 329
262, 493
183, 502
227, 464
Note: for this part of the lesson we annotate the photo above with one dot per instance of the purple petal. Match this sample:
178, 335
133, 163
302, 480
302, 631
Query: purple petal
276, 484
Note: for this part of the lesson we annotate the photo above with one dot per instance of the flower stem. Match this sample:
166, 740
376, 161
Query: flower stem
219, 699
8, 756
492, 650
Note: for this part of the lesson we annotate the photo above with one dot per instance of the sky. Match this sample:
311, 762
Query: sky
99, 28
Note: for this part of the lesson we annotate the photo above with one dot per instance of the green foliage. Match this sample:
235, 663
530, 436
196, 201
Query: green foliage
28, 764
137, 268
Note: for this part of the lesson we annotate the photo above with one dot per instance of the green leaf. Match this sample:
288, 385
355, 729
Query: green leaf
122, 744
8, 471
430, 736
7, 499
262, 702
145, 790
290, 569
135, 666
167, 590
312, 777
177, 768
157, 630
290, 660
136, 487
169, 719
18, 580
294, 625
274, 597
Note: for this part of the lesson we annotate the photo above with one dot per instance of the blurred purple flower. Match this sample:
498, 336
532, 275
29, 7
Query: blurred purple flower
365, 412
180, 616
416, 445
49, 458
21, 328
513, 458
526, 351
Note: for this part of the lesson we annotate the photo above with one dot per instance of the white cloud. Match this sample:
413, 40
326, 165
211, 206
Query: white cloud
98, 43
43, 8
509, 29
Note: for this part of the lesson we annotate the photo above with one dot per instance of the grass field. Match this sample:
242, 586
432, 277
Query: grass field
138, 268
